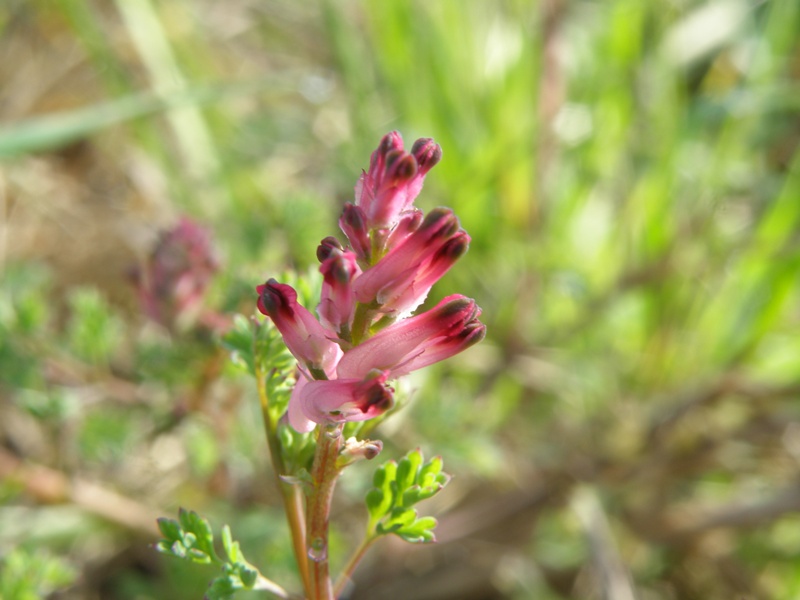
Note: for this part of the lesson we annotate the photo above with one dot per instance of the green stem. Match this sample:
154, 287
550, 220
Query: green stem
347, 573
361, 320
292, 494
324, 474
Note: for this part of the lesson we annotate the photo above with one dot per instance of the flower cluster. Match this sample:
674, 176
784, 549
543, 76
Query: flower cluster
365, 335
173, 281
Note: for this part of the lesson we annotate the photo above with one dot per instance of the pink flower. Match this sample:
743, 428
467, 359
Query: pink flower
173, 281
306, 338
445, 330
408, 222
339, 400
401, 280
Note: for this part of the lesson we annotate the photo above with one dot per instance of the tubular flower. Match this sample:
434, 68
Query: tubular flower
447, 329
395, 255
337, 300
410, 269
305, 337
340, 400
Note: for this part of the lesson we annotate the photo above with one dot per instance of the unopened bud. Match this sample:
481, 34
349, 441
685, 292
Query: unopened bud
402, 168
353, 224
427, 152
355, 450
443, 220
455, 247
391, 141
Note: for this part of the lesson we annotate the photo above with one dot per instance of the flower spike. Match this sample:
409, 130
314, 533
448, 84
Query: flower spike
365, 334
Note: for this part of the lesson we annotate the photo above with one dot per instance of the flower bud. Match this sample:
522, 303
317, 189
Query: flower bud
337, 303
173, 281
328, 246
394, 179
355, 450
392, 141
407, 223
353, 224
407, 296
428, 154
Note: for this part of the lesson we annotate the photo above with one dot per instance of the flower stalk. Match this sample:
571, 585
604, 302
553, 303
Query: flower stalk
324, 474
347, 572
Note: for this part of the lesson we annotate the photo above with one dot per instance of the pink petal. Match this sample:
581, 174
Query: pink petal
341, 400
306, 338
391, 349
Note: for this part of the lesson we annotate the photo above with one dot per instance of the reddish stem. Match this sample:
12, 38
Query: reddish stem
324, 474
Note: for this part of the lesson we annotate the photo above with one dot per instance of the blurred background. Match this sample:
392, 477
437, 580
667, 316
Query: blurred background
629, 174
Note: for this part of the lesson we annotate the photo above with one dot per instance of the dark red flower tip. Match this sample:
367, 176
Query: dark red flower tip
391, 141
473, 332
454, 248
327, 247
458, 305
276, 299
442, 220
337, 269
427, 153
374, 397
401, 168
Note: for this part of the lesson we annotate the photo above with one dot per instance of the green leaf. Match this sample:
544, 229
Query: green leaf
232, 549
239, 342
191, 538
377, 503
399, 486
385, 476
169, 528
414, 537
297, 449
430, 470
416, 494
248, 575
407, 470
29, 575
200, 529
222, 588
